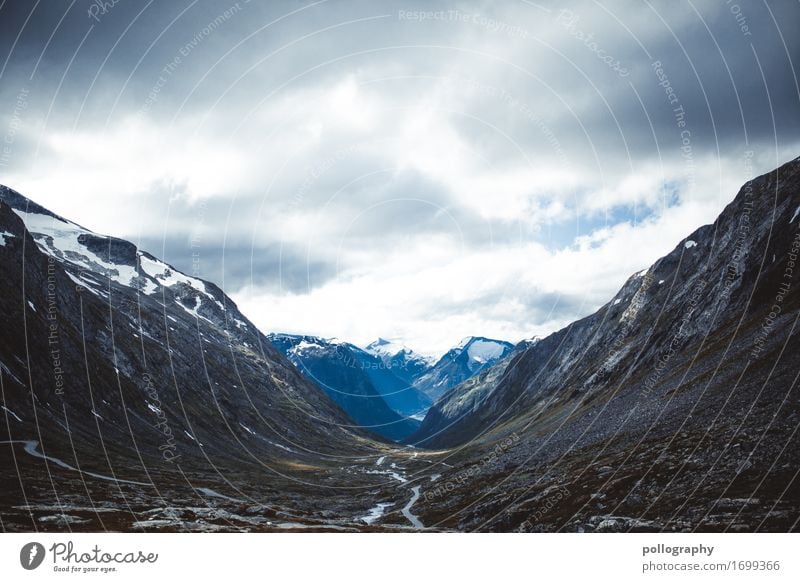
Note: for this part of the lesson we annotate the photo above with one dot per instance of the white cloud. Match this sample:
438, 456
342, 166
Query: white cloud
428, 286
425, 176
433, 294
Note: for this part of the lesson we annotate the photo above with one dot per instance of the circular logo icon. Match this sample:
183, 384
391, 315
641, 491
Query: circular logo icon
31, 555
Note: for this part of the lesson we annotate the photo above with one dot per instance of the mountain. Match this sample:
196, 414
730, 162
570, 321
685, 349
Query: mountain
672, 407
350, 377
402, 361
468, 358
136, 397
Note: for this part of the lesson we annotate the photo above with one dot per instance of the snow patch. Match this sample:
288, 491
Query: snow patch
11, 412
169, 277
149, 287
482, 351
86, 284
304, 346
795, 215
192, 310
5, 235
31, 306
388, 350
273, 443
385, 347
464, 342
63, 236
689, 244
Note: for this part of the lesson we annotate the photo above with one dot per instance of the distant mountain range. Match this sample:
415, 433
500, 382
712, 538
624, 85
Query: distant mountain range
386, 387
361, 383
401, 360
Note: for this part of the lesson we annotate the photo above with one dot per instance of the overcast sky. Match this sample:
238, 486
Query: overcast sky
361, 169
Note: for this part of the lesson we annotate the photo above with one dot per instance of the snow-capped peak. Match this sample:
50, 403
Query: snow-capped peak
387, 349
482, 351
304, 345
67, 242
92, 260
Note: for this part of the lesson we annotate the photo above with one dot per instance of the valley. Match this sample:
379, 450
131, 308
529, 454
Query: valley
673, 407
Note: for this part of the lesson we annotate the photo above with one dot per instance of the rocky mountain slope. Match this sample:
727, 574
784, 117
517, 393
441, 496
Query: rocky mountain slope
351, 378
675, 406
137, 397
468, 358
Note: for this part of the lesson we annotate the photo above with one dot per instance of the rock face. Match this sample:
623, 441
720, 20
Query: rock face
351, 378
462, 362
129, 382
678, 392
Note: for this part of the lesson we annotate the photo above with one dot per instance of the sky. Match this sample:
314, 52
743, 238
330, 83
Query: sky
411, 170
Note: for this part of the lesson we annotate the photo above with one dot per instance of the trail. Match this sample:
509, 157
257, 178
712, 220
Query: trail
31, 447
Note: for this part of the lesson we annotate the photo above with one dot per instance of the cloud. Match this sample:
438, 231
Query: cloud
355, 170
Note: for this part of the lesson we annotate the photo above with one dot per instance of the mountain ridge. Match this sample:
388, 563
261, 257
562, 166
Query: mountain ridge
671, 408
103, 383
467, 358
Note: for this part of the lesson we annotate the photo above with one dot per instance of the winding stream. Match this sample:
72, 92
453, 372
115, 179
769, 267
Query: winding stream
407, 509
32, 448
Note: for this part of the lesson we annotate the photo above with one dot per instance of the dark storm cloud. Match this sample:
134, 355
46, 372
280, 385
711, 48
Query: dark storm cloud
273, 268
715, 70
294, 154
198, 48
714, 74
